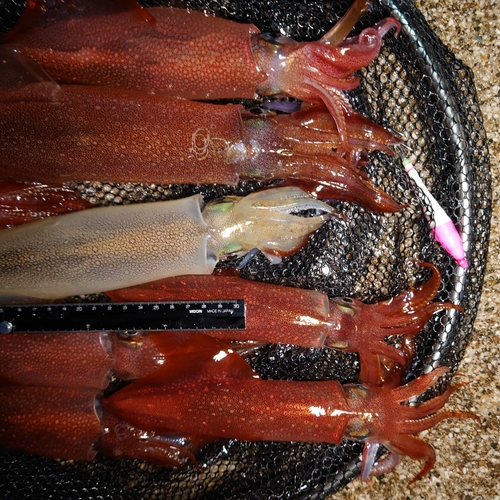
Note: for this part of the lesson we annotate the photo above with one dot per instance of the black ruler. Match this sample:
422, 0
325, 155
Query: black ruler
122, 317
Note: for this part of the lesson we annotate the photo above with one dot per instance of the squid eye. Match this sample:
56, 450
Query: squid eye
127, 334
276, 39
358, 434
220, 206
346, 300
131, 337
339, 344
270, 38
346, 305
231, 250
356, 391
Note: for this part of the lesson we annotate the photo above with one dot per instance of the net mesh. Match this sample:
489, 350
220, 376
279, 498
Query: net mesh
418, 89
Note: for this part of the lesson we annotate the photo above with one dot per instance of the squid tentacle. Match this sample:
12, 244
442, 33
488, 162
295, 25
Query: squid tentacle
416, 449
434, 404
313, 127
416, 322
346, 23
384, 465
324, 178
415, 298
336, 104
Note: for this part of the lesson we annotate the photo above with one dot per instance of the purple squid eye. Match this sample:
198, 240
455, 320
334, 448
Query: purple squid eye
282, 105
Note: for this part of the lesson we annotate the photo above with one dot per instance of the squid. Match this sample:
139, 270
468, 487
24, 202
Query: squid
307, 318
105, 248
195, 56
53, 134
200, 391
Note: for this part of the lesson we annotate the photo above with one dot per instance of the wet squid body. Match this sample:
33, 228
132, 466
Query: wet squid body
92, 251
129, 136
308, 318
188, 390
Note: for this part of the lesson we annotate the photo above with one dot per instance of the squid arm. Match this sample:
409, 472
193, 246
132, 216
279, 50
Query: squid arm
193, 55
55, 134
105, 248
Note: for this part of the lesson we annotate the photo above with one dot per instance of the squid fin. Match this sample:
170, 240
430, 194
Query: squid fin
18, 71
189, 353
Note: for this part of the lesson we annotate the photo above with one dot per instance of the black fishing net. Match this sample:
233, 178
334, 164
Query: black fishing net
415, 87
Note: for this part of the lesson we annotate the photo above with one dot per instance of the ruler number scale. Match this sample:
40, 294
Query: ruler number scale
123, 316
